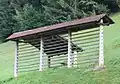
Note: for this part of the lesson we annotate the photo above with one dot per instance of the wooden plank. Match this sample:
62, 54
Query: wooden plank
84, 36
69, 49
75, 56
87, 38
41, 54
28, 52
85, 31
28, 61
85, 42
27, 70
57, 47
16, 60
87, 55
101, 46
29, 55
28, 58
29, 67
28, 64
28, 49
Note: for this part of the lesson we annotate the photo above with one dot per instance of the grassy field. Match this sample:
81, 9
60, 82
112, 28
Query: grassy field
111, 75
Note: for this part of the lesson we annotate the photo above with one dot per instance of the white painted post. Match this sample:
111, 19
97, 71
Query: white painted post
16, 60
75, 59
69, 49
101, 45
41, 54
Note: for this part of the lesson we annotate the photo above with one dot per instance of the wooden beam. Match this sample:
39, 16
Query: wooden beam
16, 59
69, 49
75, 59
41, 54
49, 61
101, 46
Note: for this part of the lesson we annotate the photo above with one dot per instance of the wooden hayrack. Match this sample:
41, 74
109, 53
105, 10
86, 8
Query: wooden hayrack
77, 43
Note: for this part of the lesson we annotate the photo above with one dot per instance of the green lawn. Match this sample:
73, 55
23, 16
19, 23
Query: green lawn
111, 75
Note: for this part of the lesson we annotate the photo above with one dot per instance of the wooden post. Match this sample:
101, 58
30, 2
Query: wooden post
16, 60
41, 54
101, 46
69, 49
75, 59
49, 61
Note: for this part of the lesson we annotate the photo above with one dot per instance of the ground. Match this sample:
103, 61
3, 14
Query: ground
111, 74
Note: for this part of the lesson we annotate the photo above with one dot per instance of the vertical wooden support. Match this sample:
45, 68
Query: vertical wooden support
69, 49
75, 58
49, 61
41, 54
101, 46
16, 60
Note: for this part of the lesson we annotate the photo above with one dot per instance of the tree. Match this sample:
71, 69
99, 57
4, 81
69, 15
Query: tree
56, 11
6, 20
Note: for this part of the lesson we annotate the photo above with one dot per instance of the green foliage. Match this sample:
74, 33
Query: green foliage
6, 19
19, 15
28, 18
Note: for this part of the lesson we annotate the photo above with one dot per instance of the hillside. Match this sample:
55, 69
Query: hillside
111, 75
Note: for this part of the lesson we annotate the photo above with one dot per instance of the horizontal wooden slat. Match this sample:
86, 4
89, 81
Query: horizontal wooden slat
53, 48
29, 58
87, 58
86, 55
88, 61
88, 38
85, 31
90, 51
56, 51
84, 36
62, 44
29, 55
27, 70
52, 42
28, 49
28, 67
87, 42
64, 52
32, 51
89, 45
60, 56
28, 61
57, 60
28, 64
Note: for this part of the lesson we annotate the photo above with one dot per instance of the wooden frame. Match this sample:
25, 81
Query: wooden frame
47, 47
16, 60
101, 45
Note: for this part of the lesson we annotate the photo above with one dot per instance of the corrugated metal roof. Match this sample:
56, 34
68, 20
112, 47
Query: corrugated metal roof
86, 20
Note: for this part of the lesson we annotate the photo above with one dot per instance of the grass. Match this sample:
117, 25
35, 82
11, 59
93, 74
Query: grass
111, 75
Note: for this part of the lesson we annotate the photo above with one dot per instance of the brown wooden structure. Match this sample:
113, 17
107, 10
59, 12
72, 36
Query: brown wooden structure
77, 43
